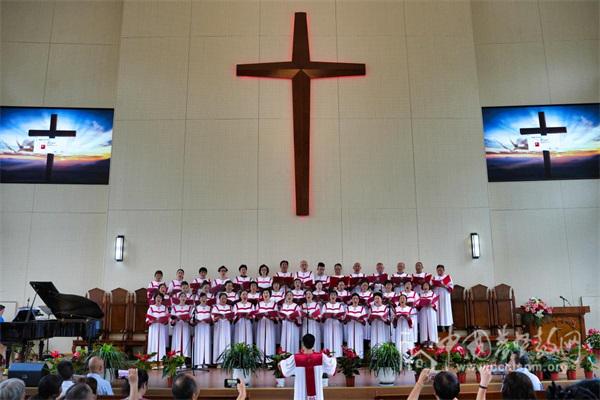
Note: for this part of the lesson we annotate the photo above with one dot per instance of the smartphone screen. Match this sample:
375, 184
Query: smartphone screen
231, 383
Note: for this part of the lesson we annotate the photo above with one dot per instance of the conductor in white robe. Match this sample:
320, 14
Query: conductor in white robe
308, 368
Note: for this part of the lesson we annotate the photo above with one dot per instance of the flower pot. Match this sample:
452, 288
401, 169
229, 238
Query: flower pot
169, 381
553, 376
350, 381
386, 377
540, 374
241, 374
325, 382
462, 377
280, 382
589, 374
571, 374
478, 376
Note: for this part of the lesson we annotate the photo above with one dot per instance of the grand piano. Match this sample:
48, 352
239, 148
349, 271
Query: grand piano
74, 316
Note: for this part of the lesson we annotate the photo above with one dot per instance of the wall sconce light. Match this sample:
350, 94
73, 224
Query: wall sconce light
475, 250
119, 247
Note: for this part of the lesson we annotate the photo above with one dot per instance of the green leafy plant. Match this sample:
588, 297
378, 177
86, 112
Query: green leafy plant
505, 350
587, 359
114, 359
593, 338
241, 356
171, 363
274, 360
53, 360
385, 356
142, 361
421, 358
348, 363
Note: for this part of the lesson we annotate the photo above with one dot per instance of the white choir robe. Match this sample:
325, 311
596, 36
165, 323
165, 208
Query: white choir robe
182, 332
174, 286
399, 288
264, 282
242, 280
308, 387
417, 287
222, 330
380, 331
411, 299
202, 336
428, 320
356, 330
311, 312
242, 329
403, 335
265, 329
152, 289
158, 333
333, 330
290, 332
444, 307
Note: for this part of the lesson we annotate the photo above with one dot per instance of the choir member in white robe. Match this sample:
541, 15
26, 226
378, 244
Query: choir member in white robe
187, 291
320, 276
333, 331
222, 316
356, 317
232, 295
202, 333
278, 293
379, 316
291, 321
366, 298
153, 285
356, 277
403, 334
266, 316
210, 297
343, 295
166, 299
311, 314
243, 312
298, 292
308, 368
320, 296
419, 277
337, 273
181, 315
242, 281
202, 278
175, 285
306, 277
263, 280
400, 277
157, 319
218, 284
442, 287
390, 297
379, 277
427, 306
412, 299
254, 295
283, 272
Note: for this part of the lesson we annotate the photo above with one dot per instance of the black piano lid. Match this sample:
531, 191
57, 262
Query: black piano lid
66, 306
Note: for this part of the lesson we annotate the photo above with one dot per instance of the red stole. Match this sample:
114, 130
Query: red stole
309, 362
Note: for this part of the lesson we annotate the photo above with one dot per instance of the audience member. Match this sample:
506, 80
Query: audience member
588, 389
12, 389
96, 367
185, 388
521, 360
445, 385
137, 379
80, 391
65, 371
48, 388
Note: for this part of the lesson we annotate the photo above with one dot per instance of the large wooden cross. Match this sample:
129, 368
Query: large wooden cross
301, 70
544, 130
51, 134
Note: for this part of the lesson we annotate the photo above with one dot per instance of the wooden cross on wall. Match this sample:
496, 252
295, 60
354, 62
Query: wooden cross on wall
544, 130
51, 134
301, 70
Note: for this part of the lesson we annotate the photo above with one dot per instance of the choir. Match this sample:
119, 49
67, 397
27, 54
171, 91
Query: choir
206, 316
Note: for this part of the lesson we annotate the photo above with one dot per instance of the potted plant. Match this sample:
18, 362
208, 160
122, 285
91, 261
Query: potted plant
551, 363
142, 361
587, 361
171, 364
348, 364
593, 340
386, 363
242, 360
536, 310
78, 359
273, 365
456, 358
52, 361
420, 358
481, 356
114, 359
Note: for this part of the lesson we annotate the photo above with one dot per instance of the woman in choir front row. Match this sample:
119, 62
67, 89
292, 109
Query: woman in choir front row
333, 330
266, 315
157, 319
311, 313
202, 334
442, 287
222, 315
427, 306
291, 320
181, 315
380, 321
403, 334
243, 312
412, 299
356, 317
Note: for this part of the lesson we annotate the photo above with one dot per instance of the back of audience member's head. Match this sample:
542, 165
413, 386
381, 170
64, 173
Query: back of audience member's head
523, 360
12, 389
49, 387
65, 370
96, 365
588, 389
142, 382
517, 386
184, 387
308, 341
446, 385
79, 391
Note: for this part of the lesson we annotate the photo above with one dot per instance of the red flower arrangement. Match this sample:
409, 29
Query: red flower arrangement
349, 362
537, 309
171, 362
143, 361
